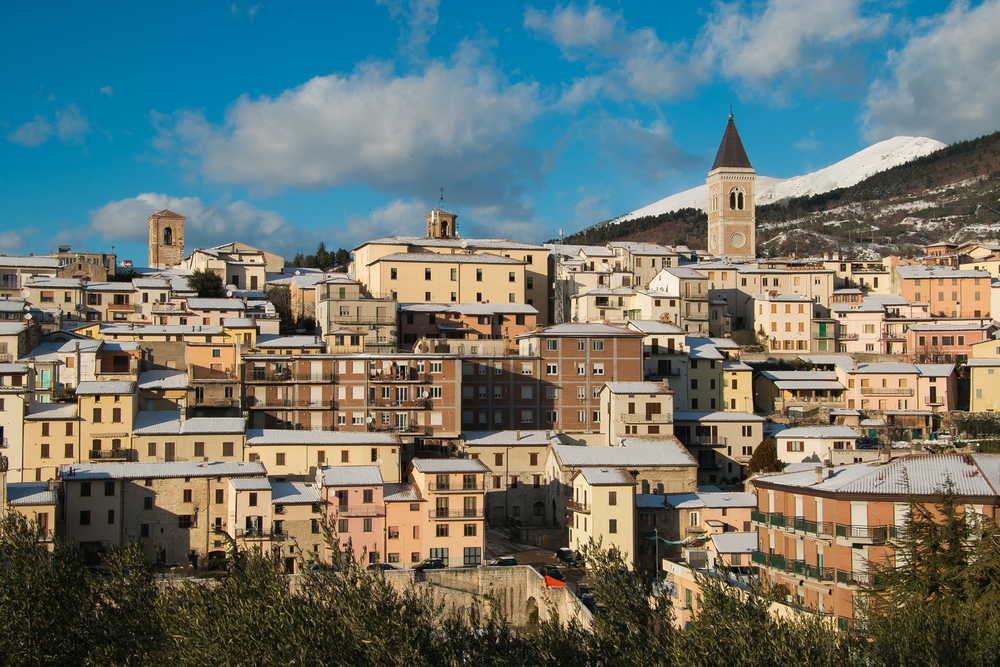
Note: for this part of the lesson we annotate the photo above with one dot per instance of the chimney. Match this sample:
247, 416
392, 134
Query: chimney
517, 436
885, 455
819, 474
52, 485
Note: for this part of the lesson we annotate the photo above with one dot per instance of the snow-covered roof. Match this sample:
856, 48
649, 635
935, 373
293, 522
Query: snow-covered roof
510, 438
294, 493
77, 472
250, 484
105, 388
714, 500
925, 271
607, 476
435, 258
32, 262
716, 417
636, 388
495, 244
667, 452
215, 304
166, 379
812, 432
168, 422
655, 327
45, 411
469, 308
277, 341
261, 437
350, 476
30, 493
443, 466
580, 329
239, 323
735, 543
400, 493
13, 369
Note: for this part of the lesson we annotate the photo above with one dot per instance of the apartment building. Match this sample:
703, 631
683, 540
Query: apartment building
150, 294
16, 339
16, 382
785, 322
949, 292
238, 264
895, 386
359, 393
454, 529
38, 503
819, 444
663, 352
601, 511
297, 536
722, 442
343, 303
577, 360
170, 509
984, 376
464, 321
353, 497
504, 392
635, 408
293, 455
818, 530
163, 437
15, 272
690, 521
404, 535
643, 260
946, 342
516, 482
692, 290
107, 416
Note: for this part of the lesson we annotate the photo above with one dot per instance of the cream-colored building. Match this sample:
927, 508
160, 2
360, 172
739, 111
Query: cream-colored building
15, 396
297, 534
784, 321
38, 503
818, 443
454, 530
15, 272
163, 437
51, 439
601, 511
722, 442
984, 373
107, 414
296, 455
341, 303
636, 409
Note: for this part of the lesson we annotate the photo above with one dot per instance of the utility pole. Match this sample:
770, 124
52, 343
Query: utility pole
558, 314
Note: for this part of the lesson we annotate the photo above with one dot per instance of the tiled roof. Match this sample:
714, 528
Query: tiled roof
30, 493
150, 283
76, 472
400, 493
735, 543
800, 375
105, 388
108, 287
433, 257
807, 432
636, 388
13, 369
238, 323
841, 360
350, 476
11, 305
510, 438
38, 411
792, 385
607, 477
286, 437
442, 466
251, 484
655, 327
215, 304
30, 262
167, 379
667, 452
716, 417
294, 493
468, 308
581, 329
711, 500
268, 341
11, 328
923, 271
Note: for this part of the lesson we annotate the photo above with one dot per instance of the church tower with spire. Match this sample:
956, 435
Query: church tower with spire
731, 218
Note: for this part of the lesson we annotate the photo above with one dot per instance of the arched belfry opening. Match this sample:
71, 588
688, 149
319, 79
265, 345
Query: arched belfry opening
168, 236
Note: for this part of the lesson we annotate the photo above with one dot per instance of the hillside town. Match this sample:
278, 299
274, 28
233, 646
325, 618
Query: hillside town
442, 401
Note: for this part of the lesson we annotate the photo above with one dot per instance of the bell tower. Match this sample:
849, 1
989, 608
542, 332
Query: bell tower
731, 217
441, 224
166, 239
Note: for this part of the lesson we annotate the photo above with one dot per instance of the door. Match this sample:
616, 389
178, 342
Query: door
168, 451
46, 375
662, 367
651, 410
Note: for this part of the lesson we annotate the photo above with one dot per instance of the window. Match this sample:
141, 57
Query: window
97, 415
144, 530
598, 345
366, 525
472, 555
581, 369
109, 488
184, 522
550, 416
85, 517
598, 369
427, 274
454, 274
68, 450
479, 278
551, 344
612, 497
441, 530
227, 449
44, 451
527, 417
111, 517
512, 277
796, 446
342, 525
613, 525
581, 345
220, 496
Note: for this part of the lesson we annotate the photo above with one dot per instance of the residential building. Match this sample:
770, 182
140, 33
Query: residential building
343, 303
464, 321
601, 511
984, 376
353, 496
635, 408
297, 535
162, 436
453, 530
818, 444
785, 322
691, 288
38, 503
948, 291
292, 455
722, 442
15, 272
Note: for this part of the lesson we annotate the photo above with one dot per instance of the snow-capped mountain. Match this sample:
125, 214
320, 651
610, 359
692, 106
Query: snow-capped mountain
847, 172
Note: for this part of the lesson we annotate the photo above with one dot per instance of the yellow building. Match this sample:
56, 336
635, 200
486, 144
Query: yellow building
602, 510
163, 437
297, 454
984, 371
51, 439
107, 414
784, 321
37, 502
737, 387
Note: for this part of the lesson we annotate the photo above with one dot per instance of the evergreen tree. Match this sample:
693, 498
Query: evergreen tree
343, 258
765, 459
207, 284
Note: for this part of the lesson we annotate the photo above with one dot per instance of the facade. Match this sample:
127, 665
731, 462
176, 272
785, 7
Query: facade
166, 239
722, 442
818, 444
636, 408
601, 511
454, 529
292, 455
353, 497
949, 292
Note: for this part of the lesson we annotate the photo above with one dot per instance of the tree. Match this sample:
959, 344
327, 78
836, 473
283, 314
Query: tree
323, 259
343, 258
207, 284
765, 459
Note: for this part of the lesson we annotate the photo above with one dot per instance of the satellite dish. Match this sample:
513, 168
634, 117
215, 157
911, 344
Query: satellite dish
28, 316
464, 244
273, 367
378, 462
371, 420
25, 294
426, 394
229, 293
298, 273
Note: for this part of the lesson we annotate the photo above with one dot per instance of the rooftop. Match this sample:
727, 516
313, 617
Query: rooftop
350, 476
808, 432
167, 422
78, 472
105, 388
735, 543
433, 257
607, 477
256, 436
167, 379
510, 438
442, 466
30, 493
294, 493
646, 453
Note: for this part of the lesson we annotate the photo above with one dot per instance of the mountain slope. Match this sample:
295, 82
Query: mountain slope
849, 171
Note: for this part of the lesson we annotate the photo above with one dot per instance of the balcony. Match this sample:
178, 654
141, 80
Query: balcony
203, 402
645, 419
817, 573
445, 514
253, 533
202, 373
758, 517
574, 506
865, 533
848, 336
121, 308
126, 455
410, 428
420, 403
706, 440
854, 578
934, 400
360, 510
254, 402
400, 376
286, 375
886, 391
803, 525
456, 488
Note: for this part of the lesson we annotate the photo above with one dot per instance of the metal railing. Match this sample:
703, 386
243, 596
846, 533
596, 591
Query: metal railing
216, 402
202, 373
804, 525
575, 506
643, 418
852, 578
253, 533
708, 440
856, 532
129, 455
410, 428
360, 510
887, 391
455, 488
255, 402
471, 513
286, 375
934, 400
410, 375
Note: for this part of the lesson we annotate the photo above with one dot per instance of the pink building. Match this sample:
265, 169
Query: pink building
946, 341
900, 387
353, 497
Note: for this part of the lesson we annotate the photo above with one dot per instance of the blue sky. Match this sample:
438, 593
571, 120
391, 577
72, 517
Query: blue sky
286, 123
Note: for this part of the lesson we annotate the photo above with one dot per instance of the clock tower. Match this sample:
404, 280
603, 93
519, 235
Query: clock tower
731, 218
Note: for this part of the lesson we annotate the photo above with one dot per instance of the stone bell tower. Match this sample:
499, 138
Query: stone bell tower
166, 239
441, 224
731, 189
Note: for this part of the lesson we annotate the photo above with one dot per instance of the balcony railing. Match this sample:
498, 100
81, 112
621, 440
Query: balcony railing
461, 487
643, 419
472, 513
854, 578
420, 403
253, 533
202, 373
128, 455
409, 375
360, 510
871, 533
934, 400
758, 517
848, 336
574, 506
215, 402
121, 307
814, 527
887, 391
286, 375
254, 402
410, 428
707, 440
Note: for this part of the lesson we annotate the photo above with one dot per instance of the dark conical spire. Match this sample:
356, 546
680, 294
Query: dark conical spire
731, 152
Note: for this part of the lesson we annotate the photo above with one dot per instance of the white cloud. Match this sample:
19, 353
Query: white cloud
627, 63
945, 82
808, 143
397, 218
32, 133
459, 125
71, 125
417, 20
648, 152
107, 90
234, 10
207, 224
591, 209
789, 42
11, 241
252, 12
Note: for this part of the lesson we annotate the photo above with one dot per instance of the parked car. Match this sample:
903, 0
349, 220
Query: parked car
553, 572
502, 562
569, 557
430, 564
586, 595
317, 568
381, 567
